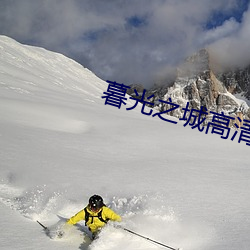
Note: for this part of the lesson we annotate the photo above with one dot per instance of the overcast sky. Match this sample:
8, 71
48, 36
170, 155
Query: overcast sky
131, 41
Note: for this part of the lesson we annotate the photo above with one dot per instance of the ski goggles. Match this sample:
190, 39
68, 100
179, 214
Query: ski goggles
94, 208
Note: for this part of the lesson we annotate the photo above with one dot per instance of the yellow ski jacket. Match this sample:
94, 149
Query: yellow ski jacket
94, 223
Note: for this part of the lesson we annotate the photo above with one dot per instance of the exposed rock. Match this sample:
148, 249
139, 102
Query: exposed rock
138, 87
197, 84
237, 81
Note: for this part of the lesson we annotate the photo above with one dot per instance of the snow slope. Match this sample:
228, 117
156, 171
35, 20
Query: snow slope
60, 144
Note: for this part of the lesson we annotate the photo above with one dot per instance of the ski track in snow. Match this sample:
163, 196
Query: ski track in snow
145, 214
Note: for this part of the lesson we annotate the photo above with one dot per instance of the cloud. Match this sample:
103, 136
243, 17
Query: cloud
129, 41
232, 50
228, 28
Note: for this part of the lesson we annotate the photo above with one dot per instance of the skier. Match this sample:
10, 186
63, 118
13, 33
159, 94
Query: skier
95, 214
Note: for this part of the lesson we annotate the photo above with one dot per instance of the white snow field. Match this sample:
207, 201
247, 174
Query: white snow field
60, 144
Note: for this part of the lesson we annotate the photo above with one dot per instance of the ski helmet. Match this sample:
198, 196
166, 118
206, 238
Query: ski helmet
96, 202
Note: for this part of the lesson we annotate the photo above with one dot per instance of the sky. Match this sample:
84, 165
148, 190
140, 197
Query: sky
132, 41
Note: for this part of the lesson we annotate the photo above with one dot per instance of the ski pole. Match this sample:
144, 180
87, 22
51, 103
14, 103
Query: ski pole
146, 238
45, 228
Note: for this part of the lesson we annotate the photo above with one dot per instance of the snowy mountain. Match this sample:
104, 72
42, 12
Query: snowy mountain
237, 81
200, 85
60, 144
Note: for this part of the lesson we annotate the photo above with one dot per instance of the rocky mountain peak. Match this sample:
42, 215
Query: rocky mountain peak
197, 64
197, 84
237, 81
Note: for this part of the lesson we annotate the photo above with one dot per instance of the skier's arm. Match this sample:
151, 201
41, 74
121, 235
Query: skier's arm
110, 214
77, 217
